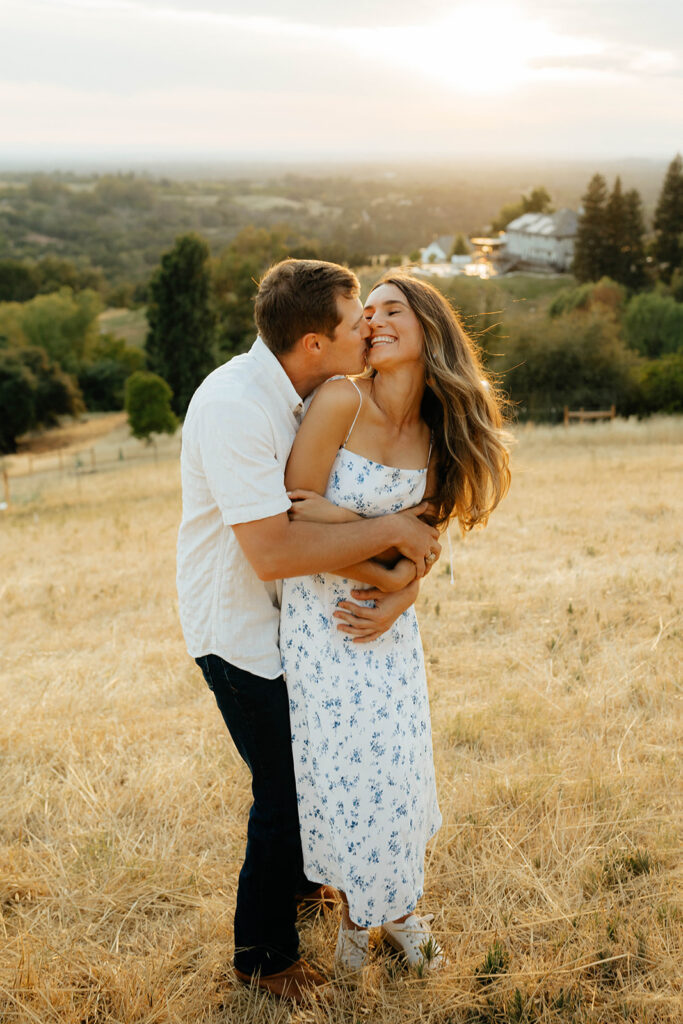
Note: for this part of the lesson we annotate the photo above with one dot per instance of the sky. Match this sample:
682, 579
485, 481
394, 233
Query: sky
345, 80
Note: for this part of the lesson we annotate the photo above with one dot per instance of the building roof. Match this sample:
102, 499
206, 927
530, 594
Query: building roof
562, 224
445, 243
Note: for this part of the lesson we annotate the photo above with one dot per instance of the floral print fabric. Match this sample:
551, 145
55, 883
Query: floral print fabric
360, 723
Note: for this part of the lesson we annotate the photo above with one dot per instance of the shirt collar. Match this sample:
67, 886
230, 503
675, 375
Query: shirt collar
276, 373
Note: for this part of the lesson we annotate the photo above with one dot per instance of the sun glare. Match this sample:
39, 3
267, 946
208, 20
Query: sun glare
477, 49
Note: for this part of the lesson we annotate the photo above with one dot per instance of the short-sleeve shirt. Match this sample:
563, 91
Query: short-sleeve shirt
237, 435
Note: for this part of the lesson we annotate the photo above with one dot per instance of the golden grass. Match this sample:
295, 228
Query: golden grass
554, 666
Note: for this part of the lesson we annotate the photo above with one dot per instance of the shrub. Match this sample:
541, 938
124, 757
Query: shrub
653, 324
33, 391
605, 294
661, 385
103, 381
56, 394
17, 400
64, 324
577, 360
148, 404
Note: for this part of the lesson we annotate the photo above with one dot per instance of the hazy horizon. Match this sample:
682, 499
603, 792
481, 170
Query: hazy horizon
210, 164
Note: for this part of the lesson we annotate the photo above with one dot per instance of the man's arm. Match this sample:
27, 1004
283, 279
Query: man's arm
318, 440
387, 572
277, 547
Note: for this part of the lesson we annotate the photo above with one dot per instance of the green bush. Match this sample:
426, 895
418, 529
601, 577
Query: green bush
577, 360
17, 400
148, 404
653, 324
102, 381
63, 323
33, 391
56, 393
661, 385
605, 293
103, 385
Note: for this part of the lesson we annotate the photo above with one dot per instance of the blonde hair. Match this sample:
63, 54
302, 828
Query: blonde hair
463, 407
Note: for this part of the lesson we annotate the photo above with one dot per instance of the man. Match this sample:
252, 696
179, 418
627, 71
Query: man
236, 542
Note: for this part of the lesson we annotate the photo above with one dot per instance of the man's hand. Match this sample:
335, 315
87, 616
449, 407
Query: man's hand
416, 540
364, 624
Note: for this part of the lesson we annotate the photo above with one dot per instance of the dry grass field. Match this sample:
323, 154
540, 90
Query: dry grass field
555, 671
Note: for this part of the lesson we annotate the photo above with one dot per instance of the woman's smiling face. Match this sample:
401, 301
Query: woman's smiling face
396, 336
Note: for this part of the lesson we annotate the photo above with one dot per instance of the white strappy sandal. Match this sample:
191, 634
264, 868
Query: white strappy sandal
414, 938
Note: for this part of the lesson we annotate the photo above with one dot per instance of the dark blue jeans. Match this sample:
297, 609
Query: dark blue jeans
256, 712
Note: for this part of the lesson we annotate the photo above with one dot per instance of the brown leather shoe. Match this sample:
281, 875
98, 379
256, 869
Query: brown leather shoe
300, 982
321, 901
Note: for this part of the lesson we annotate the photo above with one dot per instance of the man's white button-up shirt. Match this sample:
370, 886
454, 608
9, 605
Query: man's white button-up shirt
237, 435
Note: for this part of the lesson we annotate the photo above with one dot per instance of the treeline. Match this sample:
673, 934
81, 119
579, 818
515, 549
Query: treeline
611, 239
118, 226
616, 337
54, 360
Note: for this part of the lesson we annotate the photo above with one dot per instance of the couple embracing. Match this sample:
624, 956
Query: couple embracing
317, 472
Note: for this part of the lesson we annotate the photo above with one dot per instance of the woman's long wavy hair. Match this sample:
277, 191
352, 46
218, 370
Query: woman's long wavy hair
463, 407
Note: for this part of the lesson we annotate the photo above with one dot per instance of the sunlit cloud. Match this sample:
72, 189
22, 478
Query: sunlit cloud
305, 77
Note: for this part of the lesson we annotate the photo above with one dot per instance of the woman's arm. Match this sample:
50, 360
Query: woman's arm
322, 432
320, 436
311, 507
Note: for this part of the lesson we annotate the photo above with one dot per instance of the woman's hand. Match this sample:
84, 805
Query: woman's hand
364, 624
311, 507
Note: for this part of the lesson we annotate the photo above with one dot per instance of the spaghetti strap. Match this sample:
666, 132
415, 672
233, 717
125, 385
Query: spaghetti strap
360, 402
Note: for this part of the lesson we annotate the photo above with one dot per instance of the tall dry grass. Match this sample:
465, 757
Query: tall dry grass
554, 668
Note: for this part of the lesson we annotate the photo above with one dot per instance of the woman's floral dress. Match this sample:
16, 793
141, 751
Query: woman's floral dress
361, 732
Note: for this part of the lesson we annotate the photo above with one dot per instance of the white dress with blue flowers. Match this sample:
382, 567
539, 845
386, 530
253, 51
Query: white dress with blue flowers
361, 730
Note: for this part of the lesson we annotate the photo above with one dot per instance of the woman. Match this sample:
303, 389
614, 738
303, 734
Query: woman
425, 423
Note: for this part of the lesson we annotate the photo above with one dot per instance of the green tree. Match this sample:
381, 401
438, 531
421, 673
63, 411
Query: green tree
148, 404
653, 324
460, 246
33, 391
18, 281
615, 224
604, 295
591, 249
64, 324
180, 341
577, 359
17, 400
56, 393
661, 384
54, 272
102, 382
635, 276
538, 201
236, 274
624, 230
668, 222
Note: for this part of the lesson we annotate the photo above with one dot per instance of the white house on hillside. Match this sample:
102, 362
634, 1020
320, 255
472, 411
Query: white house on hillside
438, 251
545, 238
